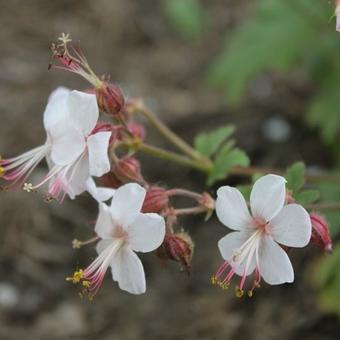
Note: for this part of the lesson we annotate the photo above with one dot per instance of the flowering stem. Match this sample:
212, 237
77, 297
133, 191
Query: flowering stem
190, 211
185, 193
170, 135
174, 157
312, 178
324, 206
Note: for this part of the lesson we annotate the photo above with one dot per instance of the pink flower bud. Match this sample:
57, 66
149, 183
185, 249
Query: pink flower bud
156, 200
128, 169
104, 127
110, 98
110, 180
320, 232
178, 247
137, 130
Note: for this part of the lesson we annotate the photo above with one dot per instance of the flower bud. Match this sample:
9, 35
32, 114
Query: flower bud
128, 169
156, 200
137, 130
110, 98
110, 180
178, 247
106, 127
320, 232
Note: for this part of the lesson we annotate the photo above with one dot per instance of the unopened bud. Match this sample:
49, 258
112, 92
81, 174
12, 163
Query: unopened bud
110, 98
137, 130
110, 180
128, 170
106, 127
320, 232
178, 247
156, 200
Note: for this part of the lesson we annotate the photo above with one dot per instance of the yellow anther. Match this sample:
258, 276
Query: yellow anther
28, 187
2, 171
224, 286
86, 283
77, 276
239, 292
214, 280
250, 293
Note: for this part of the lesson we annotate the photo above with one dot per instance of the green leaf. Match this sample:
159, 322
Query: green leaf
295, 177
328, 281
323, 111
245, 190
274, 37
307, 196
208, 143
186, 16
225, 160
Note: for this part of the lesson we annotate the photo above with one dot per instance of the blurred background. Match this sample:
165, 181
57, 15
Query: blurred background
270, 67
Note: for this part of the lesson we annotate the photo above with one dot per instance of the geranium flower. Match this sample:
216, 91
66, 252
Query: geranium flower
254, 245
100, 194
72, 152
123, 230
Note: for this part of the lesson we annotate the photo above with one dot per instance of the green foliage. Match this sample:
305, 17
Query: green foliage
324, 109
225, 160
296, 179
218, 146
186, 16
286, 35
295, 176
328, 281
208, 143
331, 193
273, 38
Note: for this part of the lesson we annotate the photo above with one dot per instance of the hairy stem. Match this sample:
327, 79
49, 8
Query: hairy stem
185, 193
169, 134
323, 206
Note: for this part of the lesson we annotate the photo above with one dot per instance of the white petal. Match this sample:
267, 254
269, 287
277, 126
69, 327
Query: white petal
98, 145
274, 264
56, 109
67, 144
229, 245
104, 226
127, 203
100, 194
292, 226
268, 196
128, 270
231, 209
103, 244
83, 111
78, 176
146, 233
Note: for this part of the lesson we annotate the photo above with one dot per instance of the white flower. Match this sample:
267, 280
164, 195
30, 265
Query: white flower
123, 229
254, 245
100, 194
337, 15
72, 153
